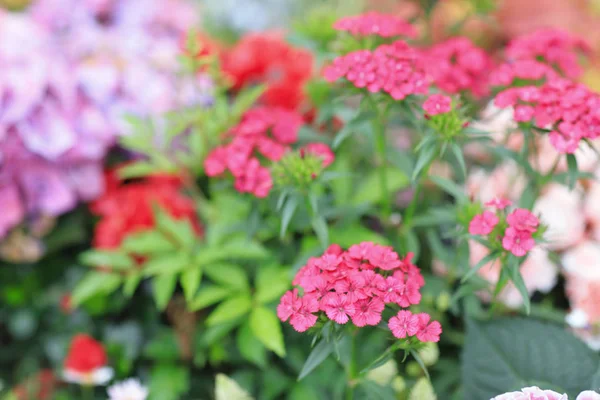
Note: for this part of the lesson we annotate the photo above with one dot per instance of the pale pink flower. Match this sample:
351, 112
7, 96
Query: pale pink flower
498, 203
383, 257
483, 224
559, 209
404, 324
583, 279
506, 181
304, 318
428, 332
517, 242
289, 304
532, 393
588, 395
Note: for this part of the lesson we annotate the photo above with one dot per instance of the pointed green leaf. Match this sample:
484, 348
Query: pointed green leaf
288, 212
484, 261
109, 259
458, 154
179, 232
319, 353
426, 156
132, 280
208, 295
147, 242
271, 283
517, 278
163, 287
167, 264
573, 170
320, 227
228, 275
267, 328
230, 309
449, 187
190, 282
137, 169
95, 283
250, 347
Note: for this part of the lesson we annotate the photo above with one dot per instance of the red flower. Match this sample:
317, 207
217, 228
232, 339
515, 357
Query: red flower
85, 355
128, 207
267, 58
39, 387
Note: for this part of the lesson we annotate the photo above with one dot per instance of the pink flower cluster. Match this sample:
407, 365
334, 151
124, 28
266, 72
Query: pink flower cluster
356, 285
437, 104
535, 393
521, 224
269, 131
555, 47
396, 69
374, 23
457, 65
569, 109
524, 70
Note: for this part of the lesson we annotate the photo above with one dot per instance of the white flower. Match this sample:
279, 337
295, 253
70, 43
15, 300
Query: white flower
577, 318
99, 376
130, 389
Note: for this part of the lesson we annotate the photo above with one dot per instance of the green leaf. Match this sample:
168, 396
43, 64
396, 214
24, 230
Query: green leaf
190, 282
245, 99
168, 382
233, 250
230, 309
108, 259
267, 328
370, 190
167, 264
484, 261
271, 283
286, 215
320, 227
163, 287
179, 232
381, 360
450, 187
419, 361
228, 389
147, 242
426, 156
137, 169
573, 170
132, 280
208, 295
229, 275
510, 353
250, 347
321, 351
515, 276
458, 154
95, 283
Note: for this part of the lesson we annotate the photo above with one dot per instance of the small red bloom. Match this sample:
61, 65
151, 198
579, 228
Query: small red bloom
483, 224
85, 355
377, 24
338, 308
437, 104
428, 332
404, 324
523, 220
267, 58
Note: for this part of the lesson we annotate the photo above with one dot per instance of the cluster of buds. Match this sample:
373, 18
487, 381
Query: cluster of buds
298, 169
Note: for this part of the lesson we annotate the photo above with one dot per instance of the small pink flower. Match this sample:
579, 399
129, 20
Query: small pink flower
518, 242
328, 262
428, 332
390, 289
483, 224
374, 23
404, 324
383, 257
409, 294
303, 318
338, 308
523, 220
353, 286
289, 304
437, 104
499, 203
368, 312
322, 151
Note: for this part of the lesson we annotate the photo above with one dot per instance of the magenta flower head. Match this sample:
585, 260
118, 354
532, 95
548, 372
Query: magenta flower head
523, 220
355, 286
498, 203
532, 392
517, 242
437, 104
483, 224
376, 24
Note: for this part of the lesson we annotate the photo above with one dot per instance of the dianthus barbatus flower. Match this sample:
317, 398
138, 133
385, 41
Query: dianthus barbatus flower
377, 24
396, 69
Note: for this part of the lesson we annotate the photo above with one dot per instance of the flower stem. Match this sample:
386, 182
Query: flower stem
378, 125
352, 373
87, 392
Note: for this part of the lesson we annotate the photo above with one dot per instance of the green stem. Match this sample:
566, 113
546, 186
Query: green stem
412, 207
352, 373
87, 392
381, 153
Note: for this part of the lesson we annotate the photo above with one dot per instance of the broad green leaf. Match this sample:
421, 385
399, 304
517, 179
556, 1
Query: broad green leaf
230, 309
319, 353
228, 389
168, 382
167, 264
163, 287
178, 231
95, 283
131, 282
267, 328
190, 282
208, 295
370, 190
381, 360
510, 353
484, 261
250, 347
233, 250
228, 275
108, 259
426, 156
271, 283
245, 99
147, 242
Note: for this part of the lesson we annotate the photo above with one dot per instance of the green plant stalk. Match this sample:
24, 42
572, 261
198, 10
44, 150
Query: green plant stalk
352, 370
381, 156
87, 392
412, 207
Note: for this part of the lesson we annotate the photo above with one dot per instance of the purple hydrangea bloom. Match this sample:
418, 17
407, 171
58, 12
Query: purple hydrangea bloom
71, 70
